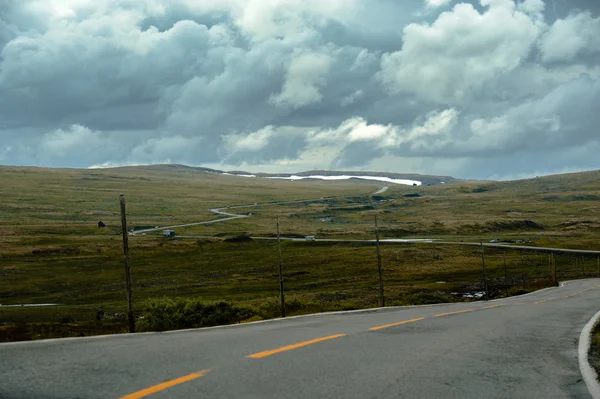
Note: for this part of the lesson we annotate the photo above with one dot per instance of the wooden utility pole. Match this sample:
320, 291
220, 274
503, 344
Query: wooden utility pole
485, 284
523, 270
554, 276
505, 276
598, 260
130, 315
381, 292
281, 294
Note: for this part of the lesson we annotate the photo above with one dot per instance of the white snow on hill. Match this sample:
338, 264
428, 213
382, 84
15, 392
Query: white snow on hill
345, 177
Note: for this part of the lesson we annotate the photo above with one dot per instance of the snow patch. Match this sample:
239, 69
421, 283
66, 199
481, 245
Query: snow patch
345, 177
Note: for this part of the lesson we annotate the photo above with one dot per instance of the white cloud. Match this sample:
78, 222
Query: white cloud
364, 132
433, 132
290, 83
429, 132
568, 37
61, 142
165, 149
351, 98
436, 3
460, 52
303, 80
533, 7
254, 141
263, 19
4, 152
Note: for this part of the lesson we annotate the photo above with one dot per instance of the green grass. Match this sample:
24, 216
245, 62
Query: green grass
594, 353
53, 252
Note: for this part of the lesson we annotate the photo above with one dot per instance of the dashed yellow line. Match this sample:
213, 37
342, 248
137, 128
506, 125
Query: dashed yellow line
396, 324
457, 312
168, 384
271, 352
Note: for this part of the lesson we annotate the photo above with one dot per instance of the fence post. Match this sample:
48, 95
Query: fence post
485, 285
381, 292
281, 293
130, 315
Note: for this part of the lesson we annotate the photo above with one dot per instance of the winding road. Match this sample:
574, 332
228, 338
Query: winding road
530, 346
520, 347
232, 216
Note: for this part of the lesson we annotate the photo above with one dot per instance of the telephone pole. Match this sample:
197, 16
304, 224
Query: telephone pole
485, 285
554, 277
381, 293
281, 294
130, 315
505, 276
523, 270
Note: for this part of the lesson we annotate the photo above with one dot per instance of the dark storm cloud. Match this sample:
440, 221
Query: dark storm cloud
422, 85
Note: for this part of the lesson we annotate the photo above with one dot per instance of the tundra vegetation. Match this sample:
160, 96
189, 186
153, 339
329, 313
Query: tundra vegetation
53, 250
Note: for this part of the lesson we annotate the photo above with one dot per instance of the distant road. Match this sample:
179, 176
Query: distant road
392, 241
231, 216
520, 347
381, 190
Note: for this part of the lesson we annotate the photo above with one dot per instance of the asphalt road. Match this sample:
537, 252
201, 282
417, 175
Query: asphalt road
522, 347
228, 215
381, 190
232, 216
394, 241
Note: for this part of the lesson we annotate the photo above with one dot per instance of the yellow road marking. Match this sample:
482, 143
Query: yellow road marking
165, 385
491, 307
457, 312
545, 300
395, 324
260, 355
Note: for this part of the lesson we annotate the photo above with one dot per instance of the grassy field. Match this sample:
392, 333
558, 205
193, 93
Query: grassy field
53, 252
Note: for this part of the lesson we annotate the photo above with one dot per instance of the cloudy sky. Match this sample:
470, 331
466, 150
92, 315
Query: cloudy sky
470, 88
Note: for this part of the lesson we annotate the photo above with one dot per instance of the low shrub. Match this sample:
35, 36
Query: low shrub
162, 314
421, 298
